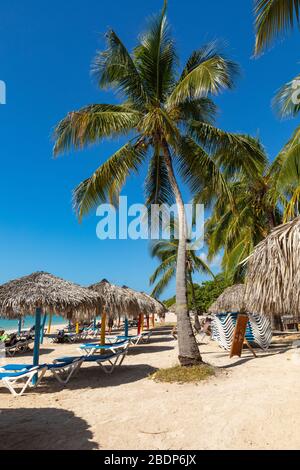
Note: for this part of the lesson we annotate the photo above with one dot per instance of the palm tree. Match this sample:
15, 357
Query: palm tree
285, 171
166, 252
168, 118
273, 18
236, 230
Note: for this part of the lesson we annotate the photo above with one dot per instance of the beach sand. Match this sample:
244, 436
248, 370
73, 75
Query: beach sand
250, 403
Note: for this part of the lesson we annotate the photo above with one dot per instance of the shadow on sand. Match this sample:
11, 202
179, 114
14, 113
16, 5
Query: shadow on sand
273, 351
147, 348
44, 428
92, 377
29, 353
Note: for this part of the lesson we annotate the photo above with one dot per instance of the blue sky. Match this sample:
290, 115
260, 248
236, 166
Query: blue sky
45, 53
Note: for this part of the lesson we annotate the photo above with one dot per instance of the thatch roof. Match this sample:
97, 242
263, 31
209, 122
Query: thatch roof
154, 305
231, 300
56, 296
123, 301
150, 305
273, 272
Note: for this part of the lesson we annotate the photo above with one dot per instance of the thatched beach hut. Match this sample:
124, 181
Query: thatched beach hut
231, 300
273, 273
44, 293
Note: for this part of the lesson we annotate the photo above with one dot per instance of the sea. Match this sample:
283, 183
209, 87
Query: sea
28, 322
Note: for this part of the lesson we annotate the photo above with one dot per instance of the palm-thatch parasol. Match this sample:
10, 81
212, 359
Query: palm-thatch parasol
148, 305
126, 302
151, 307
118, 301
231, 300
53, 295
273, 274
42, 292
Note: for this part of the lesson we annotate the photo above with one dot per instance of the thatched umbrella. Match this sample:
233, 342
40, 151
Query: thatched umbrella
123, 301
118, 300
231, 300
149, 306
273, 273
42, 292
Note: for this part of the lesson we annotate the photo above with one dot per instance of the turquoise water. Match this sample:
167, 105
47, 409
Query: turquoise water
28, 323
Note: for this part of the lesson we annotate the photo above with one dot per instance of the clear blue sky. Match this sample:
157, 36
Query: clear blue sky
46, 48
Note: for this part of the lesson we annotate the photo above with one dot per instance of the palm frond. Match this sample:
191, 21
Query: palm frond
115, 68
164, 266
200, 109
163, 282
231, 146
289, 162
292, 208
199, 265
155, 58
197, 168
272, 19
207, 72
92, 123
162, 249
234, 258
286, 102
112, 173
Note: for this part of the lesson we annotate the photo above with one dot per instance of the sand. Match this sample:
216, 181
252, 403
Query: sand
250, 403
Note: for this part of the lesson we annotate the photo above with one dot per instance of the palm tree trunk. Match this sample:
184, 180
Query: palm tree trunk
271, 219
196, 318
188, 349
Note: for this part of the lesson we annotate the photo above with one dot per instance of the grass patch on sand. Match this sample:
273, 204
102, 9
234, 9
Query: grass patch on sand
181, 375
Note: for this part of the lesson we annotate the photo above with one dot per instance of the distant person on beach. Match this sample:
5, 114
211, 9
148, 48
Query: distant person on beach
8, 339
110, 325
3, 336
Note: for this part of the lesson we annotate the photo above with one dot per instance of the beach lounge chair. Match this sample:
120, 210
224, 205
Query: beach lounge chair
141, 338
258, 332
63, 371
11, 376
91, 348
108, 362
21, 345
90, 331
63, 337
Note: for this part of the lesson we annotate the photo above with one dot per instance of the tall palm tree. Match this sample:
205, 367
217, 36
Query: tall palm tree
274, 18
166, 252
285, 172
168, 118
236, 230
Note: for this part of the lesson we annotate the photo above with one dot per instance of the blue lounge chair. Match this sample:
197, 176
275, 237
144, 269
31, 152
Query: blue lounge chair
136, 339
113, 360
65, 370
10, 376
62, 372
91, 348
